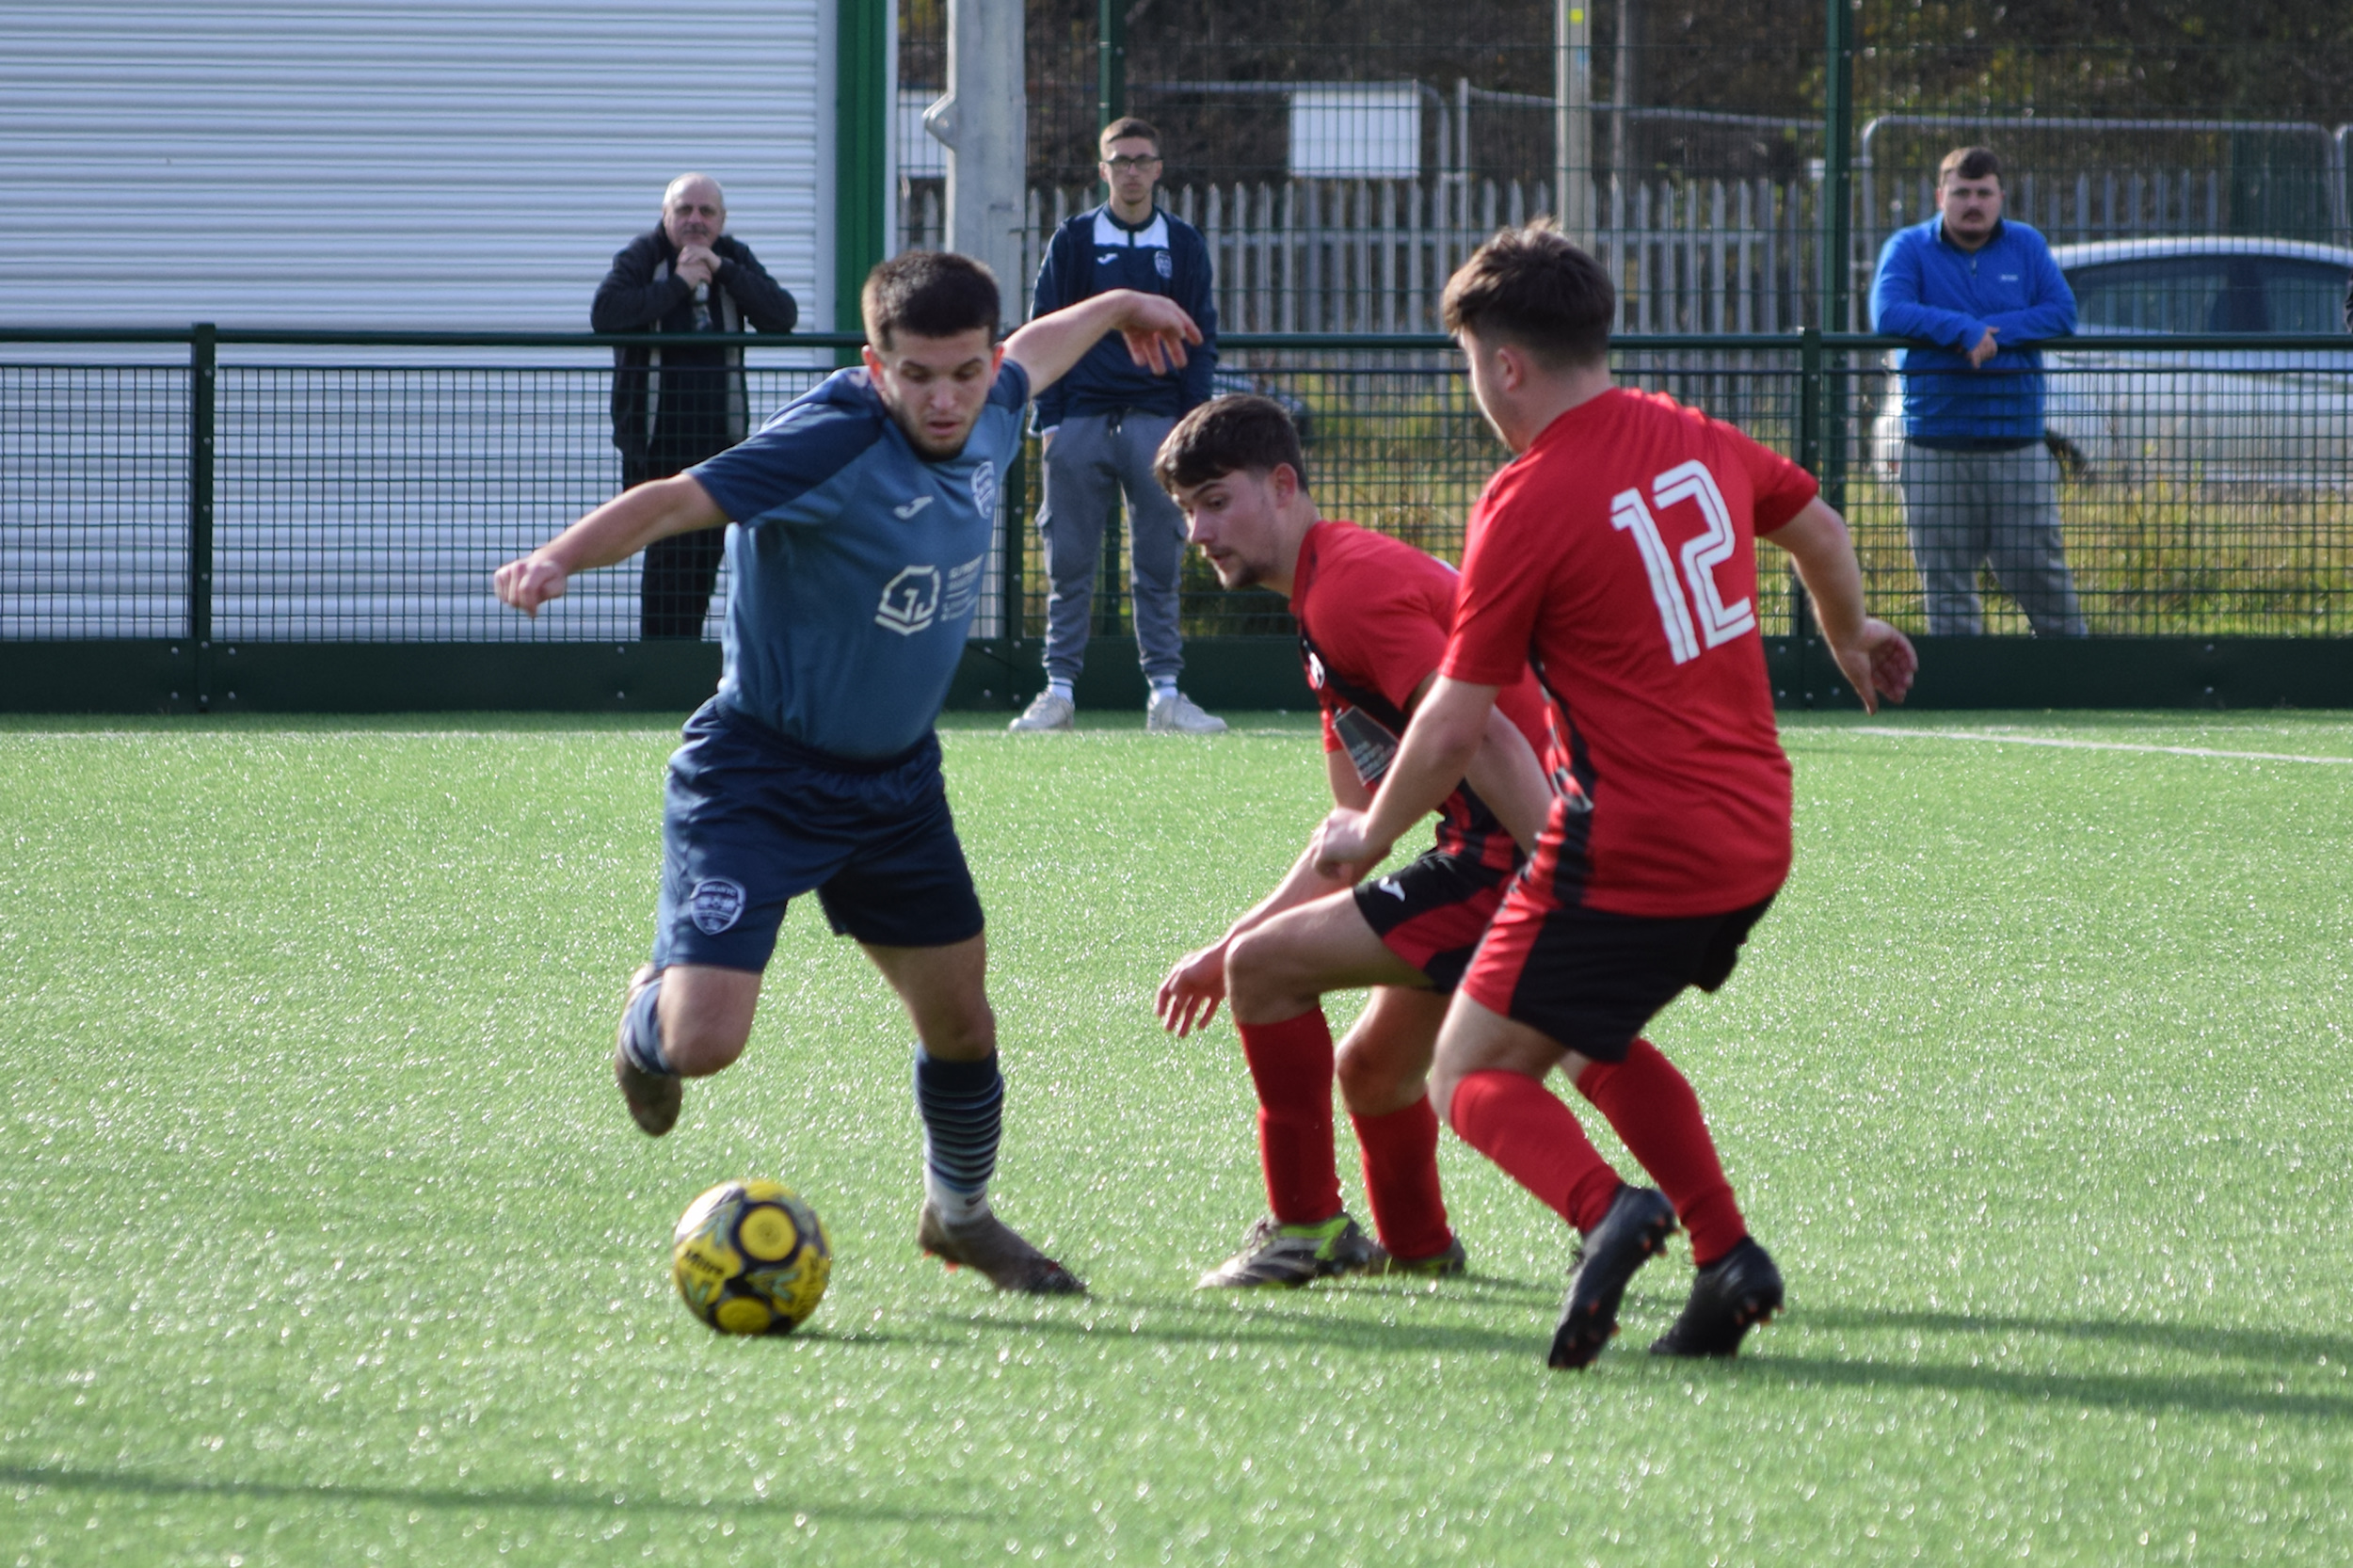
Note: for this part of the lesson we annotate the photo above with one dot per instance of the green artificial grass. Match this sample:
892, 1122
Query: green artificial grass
326, 1238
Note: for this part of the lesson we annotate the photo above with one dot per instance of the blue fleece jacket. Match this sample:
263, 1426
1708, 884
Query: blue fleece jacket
1931, 290
1095, 253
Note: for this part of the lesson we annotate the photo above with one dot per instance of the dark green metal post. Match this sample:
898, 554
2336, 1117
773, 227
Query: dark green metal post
861, 204
203, 378
1012, 588
1838, 214
1834, 377
1110, 61
1810, 405
1110, 65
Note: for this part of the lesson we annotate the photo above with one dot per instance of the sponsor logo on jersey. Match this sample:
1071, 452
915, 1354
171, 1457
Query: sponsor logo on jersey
715, 904
1107, 257
985, 488
1369, 744
903, 513
910, 601
1161, 265
964, 588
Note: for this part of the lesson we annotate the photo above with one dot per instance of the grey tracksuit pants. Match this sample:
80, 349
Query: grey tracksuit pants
1967, 509
1093, 460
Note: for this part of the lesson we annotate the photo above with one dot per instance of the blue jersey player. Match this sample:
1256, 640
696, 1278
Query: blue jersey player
859, 519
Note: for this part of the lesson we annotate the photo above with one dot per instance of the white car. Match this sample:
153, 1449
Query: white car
2195, 415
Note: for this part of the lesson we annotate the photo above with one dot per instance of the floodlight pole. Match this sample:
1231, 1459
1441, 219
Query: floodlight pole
982, 122
1573, 120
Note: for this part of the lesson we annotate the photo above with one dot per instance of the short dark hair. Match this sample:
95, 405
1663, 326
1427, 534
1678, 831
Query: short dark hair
1126, 126
1532, 287
928, 294
1228, 435
1969, 163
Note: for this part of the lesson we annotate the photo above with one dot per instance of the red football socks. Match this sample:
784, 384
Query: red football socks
1651, 1105
1516, 1122
1290, 1063
1401, 1152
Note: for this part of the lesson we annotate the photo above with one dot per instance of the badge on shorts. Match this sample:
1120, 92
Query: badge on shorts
715, 904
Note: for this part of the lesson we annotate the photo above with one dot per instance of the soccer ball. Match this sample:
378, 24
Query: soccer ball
751, 1257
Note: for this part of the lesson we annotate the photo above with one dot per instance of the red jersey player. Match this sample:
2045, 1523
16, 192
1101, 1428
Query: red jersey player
1373, 615
1616, 554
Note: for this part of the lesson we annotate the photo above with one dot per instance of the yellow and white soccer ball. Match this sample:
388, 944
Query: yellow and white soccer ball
751, 1257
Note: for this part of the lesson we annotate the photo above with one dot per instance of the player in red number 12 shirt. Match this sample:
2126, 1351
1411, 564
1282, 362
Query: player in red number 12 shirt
1616, 554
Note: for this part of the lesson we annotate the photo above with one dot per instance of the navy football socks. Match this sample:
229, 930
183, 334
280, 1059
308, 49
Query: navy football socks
641, 1037
963, 1105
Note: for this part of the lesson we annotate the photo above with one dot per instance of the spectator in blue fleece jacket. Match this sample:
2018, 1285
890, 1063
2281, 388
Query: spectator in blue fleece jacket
1102, 423
1980, 489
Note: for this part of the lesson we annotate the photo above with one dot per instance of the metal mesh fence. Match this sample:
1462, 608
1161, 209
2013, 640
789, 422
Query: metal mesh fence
94, 500
2201, 489
2194, 486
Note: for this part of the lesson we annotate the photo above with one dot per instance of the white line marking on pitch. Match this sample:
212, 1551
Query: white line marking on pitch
2095, 746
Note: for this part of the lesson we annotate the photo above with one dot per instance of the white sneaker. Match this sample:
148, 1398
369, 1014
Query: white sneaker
1177, 715
1049, 712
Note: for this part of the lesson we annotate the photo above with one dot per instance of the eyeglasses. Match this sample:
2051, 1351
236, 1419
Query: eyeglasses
1121, 165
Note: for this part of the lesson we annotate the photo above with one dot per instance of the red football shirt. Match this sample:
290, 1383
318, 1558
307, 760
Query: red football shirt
1373, 615
1617, 555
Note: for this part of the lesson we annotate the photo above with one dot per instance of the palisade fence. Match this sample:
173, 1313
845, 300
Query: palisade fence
214, 518
1689, 255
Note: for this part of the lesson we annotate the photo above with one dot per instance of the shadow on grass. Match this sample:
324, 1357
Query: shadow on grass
2159, 1391
2270, 1347
542, 1498
1227, 1323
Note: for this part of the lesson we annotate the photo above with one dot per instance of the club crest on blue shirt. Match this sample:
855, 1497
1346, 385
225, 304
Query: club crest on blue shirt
985, 488
1161, 265
715, 904
909, 601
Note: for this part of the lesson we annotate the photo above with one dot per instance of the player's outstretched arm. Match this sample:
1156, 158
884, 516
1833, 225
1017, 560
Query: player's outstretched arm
1877, 660
614, 531
1187, 997
1157, 329
1507, 774
1447, 732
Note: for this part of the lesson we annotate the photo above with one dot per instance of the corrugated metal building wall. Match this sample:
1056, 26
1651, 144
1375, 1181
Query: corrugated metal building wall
403, 164
400, 164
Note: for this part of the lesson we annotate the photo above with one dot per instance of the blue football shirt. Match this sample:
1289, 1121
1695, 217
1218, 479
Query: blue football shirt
855, 564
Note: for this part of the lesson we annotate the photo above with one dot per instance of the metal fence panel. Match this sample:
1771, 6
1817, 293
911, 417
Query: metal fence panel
2203, 483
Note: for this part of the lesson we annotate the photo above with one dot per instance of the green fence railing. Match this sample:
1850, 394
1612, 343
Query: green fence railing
206, 518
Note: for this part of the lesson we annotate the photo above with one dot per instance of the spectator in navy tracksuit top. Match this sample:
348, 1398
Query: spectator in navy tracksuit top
1979, 487
1103, 422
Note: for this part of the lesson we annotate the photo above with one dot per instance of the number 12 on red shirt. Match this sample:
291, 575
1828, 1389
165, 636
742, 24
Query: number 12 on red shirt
1715, 620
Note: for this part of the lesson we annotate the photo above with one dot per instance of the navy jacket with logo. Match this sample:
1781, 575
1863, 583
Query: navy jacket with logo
1931, 290
1095, 253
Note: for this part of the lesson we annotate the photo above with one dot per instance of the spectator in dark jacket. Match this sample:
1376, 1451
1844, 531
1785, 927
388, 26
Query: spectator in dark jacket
1979, 487
1103, 423
672, 407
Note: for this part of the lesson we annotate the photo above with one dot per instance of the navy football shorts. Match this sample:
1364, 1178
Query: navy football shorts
1431, 911
751, 821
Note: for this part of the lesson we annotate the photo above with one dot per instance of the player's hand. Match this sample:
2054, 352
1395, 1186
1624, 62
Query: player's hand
529, 583
696, 265
1189, 996
1342, 849
1157, 329
1986, 348
1880, 663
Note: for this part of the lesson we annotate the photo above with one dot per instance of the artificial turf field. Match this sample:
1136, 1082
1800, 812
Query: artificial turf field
326, 1238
